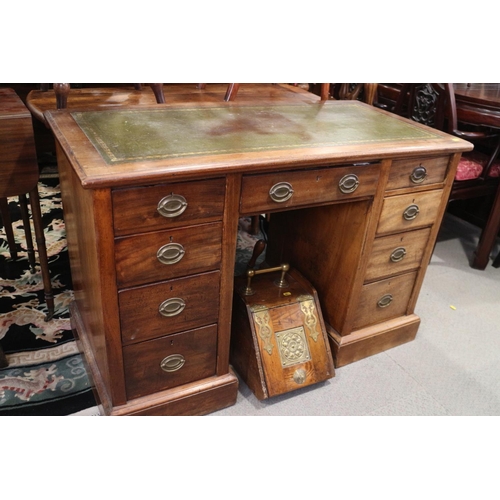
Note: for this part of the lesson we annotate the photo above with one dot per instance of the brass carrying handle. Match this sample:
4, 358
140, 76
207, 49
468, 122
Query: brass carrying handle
281, 192
172, 363
280, 283
170, 253
349, 183
385, 301
398, 254
418, 175
172, 205
171, 307
411, 212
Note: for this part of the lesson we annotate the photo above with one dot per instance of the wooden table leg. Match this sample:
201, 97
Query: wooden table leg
42, 251
488, 235
23, 205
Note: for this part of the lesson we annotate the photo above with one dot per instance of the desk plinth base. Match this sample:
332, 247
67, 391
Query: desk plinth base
197, 398
372, 339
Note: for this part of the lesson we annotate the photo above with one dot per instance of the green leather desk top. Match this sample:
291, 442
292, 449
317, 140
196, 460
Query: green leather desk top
123, 136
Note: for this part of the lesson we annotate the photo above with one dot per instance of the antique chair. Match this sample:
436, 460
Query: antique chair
353, 91
478, 172
62, 96
232, 91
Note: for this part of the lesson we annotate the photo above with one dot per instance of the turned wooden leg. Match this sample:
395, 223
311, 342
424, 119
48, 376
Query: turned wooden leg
157, 89
61, 90
42, 251
325, 91
23, 205
488, 235
7, 224
370, 92
255, 224
231, 92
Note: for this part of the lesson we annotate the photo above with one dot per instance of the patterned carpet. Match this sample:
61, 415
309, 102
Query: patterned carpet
46, 375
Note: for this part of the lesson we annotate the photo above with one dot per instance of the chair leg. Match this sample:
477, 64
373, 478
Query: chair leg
370, 92
42, 251
23, 205
4, 211
231, 91
488, 235
496, 262
157, 89
325, 91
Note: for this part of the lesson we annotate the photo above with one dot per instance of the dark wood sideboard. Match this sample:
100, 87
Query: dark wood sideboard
152, 199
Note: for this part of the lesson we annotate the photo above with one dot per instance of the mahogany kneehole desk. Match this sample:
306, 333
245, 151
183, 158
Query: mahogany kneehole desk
152, 199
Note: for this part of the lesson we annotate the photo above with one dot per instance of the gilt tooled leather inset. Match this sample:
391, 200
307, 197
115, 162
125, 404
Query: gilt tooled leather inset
154, 134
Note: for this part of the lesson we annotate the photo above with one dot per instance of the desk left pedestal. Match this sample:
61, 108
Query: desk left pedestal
149, 298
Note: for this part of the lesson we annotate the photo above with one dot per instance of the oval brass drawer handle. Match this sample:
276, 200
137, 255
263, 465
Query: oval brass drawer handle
170, 253
172, 363
172, 307
411, 212
349, 183
172, 205
398, 254
281, 192
385, 301
418, 175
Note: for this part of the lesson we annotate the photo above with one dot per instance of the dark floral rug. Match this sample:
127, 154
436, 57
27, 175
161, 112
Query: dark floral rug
45, 375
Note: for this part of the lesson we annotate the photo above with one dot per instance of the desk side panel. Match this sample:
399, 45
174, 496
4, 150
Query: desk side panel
88, 216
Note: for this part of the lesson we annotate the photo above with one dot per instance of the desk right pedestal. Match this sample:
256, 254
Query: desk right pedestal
367, 258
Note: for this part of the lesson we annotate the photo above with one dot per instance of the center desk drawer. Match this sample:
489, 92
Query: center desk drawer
156, 365
152, 311
150, 257
272, 192
411, 211
165, 206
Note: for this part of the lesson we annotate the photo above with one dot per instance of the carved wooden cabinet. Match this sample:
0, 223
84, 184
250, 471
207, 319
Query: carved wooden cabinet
152, 200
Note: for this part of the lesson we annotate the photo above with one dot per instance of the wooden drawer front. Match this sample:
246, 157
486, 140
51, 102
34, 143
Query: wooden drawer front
185, 357
274, 192
417, 172
400, 213
384, 300
186, 251
181, 204
397, 253
172, 306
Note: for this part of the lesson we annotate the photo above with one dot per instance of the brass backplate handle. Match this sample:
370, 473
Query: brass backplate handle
172, 307
281, 192
172, 205
418, 175
170, 253
385, 301
349, 183
411, 212
172, 363
398, 254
